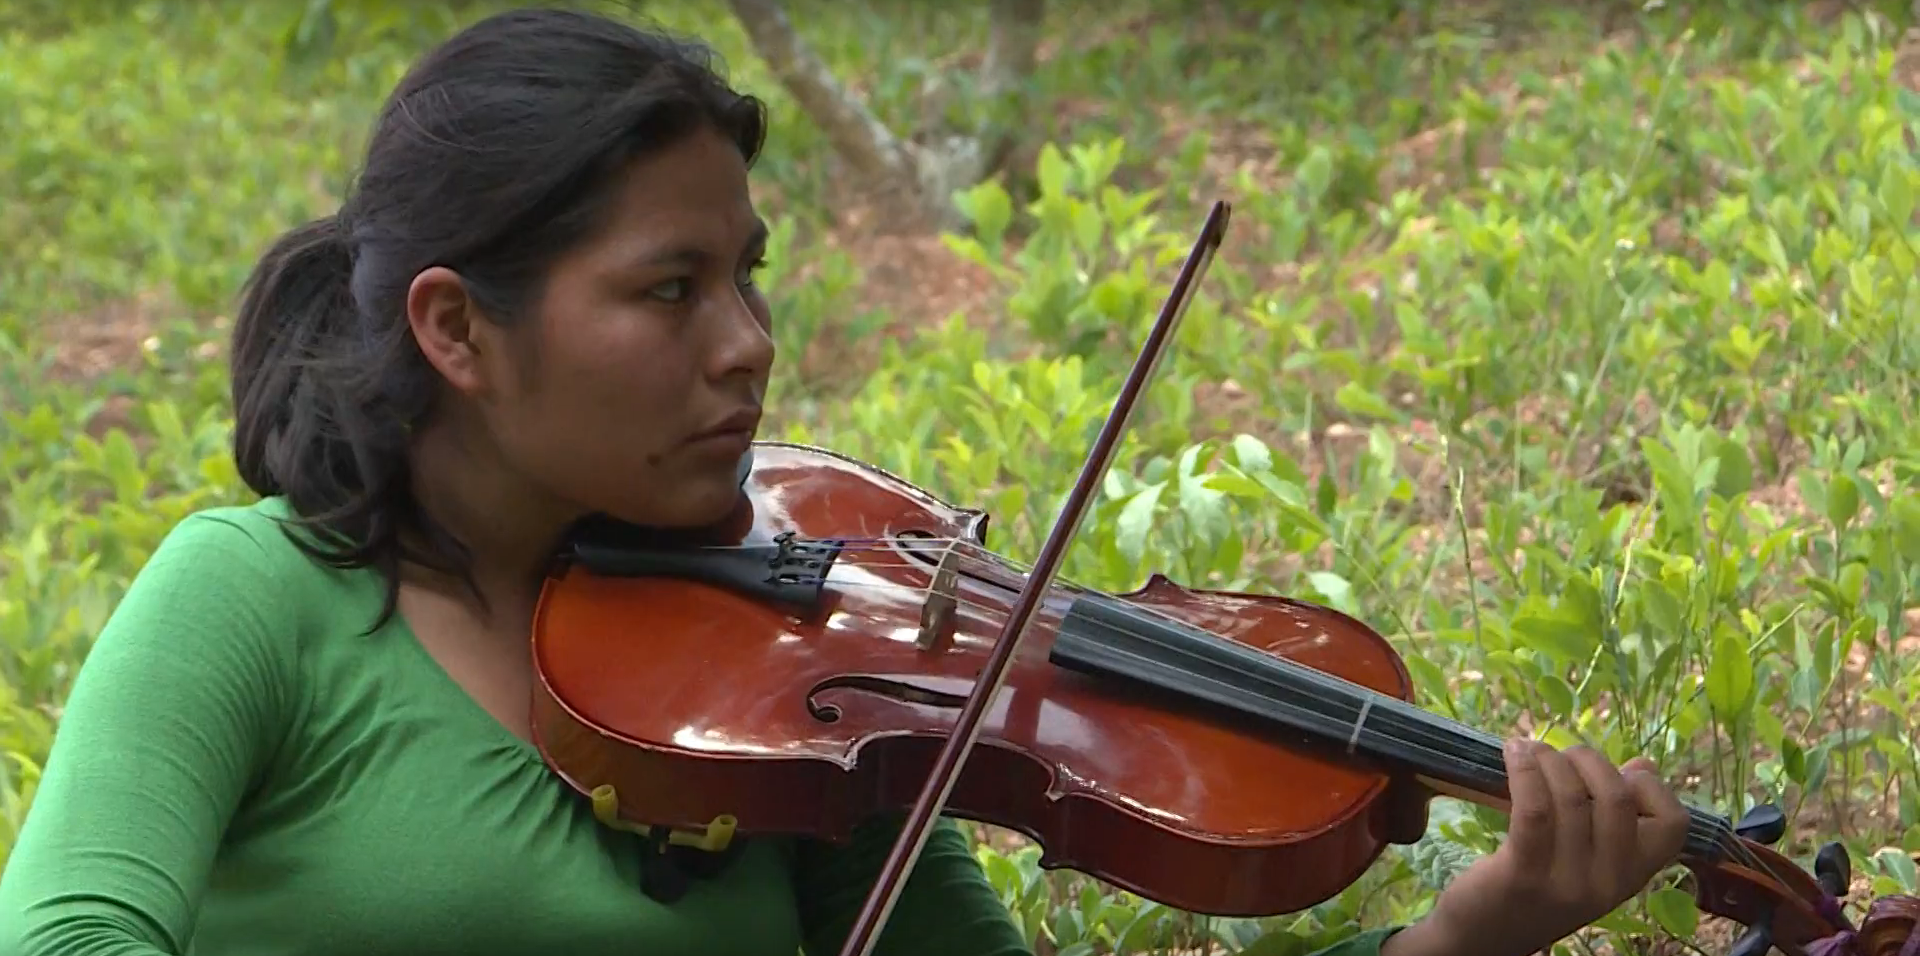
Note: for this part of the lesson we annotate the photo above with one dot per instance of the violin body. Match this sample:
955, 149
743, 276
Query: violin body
695, 701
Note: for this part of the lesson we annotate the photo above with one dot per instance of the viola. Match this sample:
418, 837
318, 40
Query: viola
849, 646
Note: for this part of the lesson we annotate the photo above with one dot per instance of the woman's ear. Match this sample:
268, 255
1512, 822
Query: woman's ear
447, 325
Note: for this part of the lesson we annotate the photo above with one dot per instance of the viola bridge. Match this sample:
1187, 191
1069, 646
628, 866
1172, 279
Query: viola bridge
940, 605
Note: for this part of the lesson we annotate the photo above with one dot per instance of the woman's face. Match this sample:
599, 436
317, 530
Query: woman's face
636, 385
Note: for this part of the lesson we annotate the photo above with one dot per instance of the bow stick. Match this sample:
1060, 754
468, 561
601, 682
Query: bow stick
966, 730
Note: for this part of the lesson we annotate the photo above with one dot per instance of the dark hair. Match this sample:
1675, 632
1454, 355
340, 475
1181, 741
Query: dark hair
492, 157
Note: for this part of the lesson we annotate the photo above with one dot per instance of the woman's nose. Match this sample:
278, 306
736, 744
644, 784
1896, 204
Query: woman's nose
745, 341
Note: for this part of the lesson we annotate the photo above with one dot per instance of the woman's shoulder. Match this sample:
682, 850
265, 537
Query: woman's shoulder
242, 557
222, 526
250, 540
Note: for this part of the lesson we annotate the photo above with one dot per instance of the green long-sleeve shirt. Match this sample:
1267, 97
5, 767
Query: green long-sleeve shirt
240, 772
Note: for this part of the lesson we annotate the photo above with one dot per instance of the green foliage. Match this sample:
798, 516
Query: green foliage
1599, 401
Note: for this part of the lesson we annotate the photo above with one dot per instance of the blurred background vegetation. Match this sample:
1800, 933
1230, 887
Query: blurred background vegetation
1568, 343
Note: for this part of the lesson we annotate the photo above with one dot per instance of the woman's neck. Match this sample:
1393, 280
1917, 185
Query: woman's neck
510, 528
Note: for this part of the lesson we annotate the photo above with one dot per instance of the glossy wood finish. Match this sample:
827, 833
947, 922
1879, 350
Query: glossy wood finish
1892, 927
693, 701
1751, 895
696, 702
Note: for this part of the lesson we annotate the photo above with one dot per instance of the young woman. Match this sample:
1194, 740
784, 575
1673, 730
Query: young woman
304, 729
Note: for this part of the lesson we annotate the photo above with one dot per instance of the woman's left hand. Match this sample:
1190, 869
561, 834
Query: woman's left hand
1584, 838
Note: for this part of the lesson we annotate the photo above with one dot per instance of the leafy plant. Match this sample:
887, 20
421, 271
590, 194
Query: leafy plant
1584, 372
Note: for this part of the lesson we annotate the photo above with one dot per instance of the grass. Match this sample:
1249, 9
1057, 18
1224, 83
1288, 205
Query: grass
1571, 345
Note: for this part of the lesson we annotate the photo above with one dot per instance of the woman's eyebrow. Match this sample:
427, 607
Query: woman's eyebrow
691, 255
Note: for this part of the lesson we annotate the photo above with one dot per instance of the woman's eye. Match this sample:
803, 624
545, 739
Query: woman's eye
676, 290
673, 290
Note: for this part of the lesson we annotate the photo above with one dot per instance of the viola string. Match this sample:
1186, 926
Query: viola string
1320, 681
1703, 827
1705, 830
1326, 681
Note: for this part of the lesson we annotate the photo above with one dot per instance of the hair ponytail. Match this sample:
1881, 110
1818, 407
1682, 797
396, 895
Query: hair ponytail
299, 295
322, 403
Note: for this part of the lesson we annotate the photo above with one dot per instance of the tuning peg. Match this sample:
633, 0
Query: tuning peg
1833, 868
1756, 941
1764, 824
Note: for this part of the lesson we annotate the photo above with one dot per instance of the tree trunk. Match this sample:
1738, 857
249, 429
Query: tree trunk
921, 179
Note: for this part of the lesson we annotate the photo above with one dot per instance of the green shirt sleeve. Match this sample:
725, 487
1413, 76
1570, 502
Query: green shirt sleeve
174, 713
947, 907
